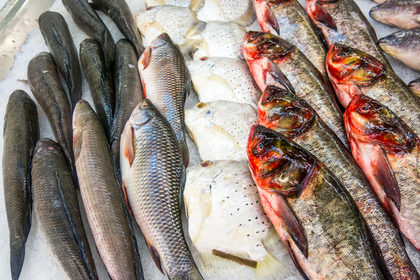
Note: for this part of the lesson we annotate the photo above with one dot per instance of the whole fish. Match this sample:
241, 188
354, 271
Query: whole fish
99, 80
273, 61
281, 110
101, 195
403, 45
128, 92
46, 86
88, 20
311, 211
388, 151
237, 11
57, 210
288, 20
166, 83
404, 14
20, 133
120, 13
353, 72
57, 36
415, 87
152, 175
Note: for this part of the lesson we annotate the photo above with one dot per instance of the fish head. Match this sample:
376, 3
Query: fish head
281, 110
400, 43
161, 41
81, 115
142, 114
276, 164
404, 14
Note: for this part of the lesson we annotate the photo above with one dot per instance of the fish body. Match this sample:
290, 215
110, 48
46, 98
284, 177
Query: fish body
20, 133
60, 43
237, 11
403, 14
152, 174
166, 83
57, 210
178, 3
415, 87
388, 151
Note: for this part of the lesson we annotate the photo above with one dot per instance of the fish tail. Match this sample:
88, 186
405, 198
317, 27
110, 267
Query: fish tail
17, 256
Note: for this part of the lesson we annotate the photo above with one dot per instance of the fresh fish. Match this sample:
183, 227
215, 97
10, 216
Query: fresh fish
166, 83
120, 13
288, 20
403, 14
57, 210
388, 151
46, 87
273, 61
88, 20
60, 43
353, 72
152, 175
415, 87
310, 210
20, 133
178, 3
128, 92
403, 45
222, 78
99, 80
281, 110
101, 195
218, 133
237, 11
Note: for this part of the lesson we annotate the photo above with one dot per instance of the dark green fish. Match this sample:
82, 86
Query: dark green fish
404, 14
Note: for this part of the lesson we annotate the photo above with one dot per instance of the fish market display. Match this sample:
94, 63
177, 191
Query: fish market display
60, 43
20, 134
101, 195
57, 210
223, 78
415, 87
388, 152
403, 45
273, 61
288, 20
399, 13
281, 110
218, 133
309, 209
237, 11
152, 173
179, 3
353, 72
166, 83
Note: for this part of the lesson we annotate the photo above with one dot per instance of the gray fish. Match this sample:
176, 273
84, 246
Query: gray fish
21, 132
415, 87
404, 14
57, 210
60, 43
152, 172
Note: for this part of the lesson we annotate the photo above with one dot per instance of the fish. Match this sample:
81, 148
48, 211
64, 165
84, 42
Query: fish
403, 14
388, 151
284, 112
380, 1
218, 133
57, 36
120, 13
128, 93
223, 78
178, 3
152, 175
353, 72
288, 20
100, 82
57, 210
310, 210
89, 22
101, 195
237, 11
404, 46
166, 83
415, 87
20, 133
45, 84
274, 61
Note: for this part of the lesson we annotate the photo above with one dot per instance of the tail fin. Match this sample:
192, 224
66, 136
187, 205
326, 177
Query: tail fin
17, 256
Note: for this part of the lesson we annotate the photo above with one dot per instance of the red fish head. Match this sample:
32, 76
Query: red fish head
257, 45
276, 164
281, 110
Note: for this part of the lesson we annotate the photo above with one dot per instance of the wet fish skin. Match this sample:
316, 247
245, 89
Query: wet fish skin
100, 82
310, 210
284, 112
60, 43
403, 14
415, 87
166, 83
57, 210
388, 151
152, 173
20, 133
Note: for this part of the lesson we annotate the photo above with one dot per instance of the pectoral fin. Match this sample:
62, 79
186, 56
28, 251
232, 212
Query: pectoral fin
155, 256
292, 255
270, 68
266, 18
128, 143
320, 15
